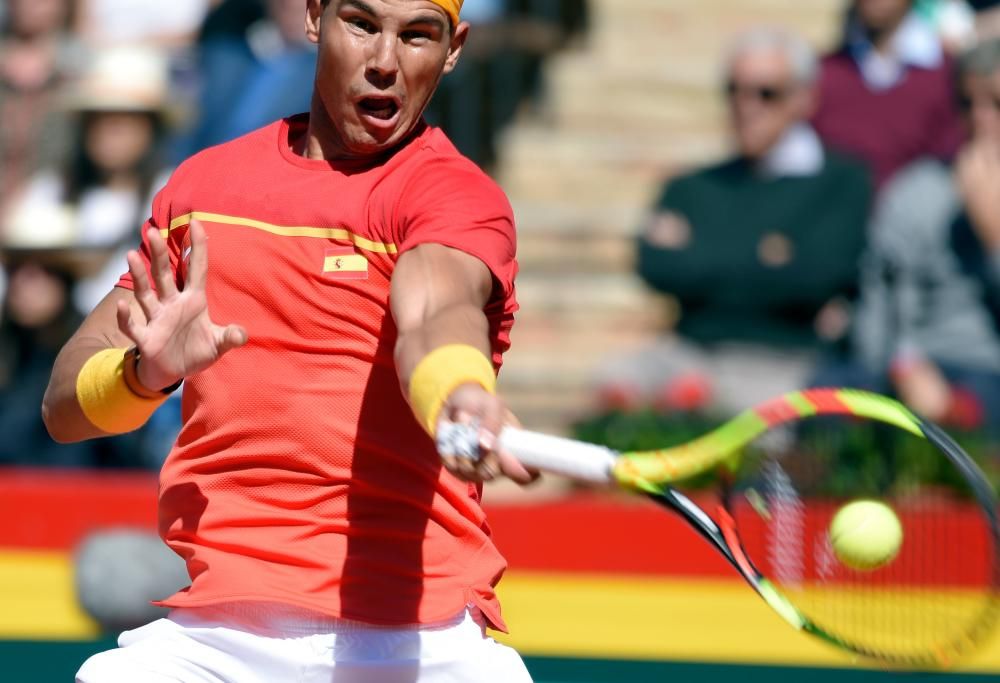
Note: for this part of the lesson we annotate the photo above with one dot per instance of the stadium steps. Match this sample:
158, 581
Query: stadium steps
636, 102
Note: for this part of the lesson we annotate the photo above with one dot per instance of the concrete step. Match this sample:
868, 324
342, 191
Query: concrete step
821, 16
590, 170
607, 184
556, 254
578, 219
617, 149
662, 110
586, 332
550, 386
597, 291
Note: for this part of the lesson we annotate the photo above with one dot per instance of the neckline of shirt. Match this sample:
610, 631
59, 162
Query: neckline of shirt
292, 128
798, 153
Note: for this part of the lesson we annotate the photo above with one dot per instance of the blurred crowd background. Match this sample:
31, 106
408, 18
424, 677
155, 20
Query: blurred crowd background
809, 197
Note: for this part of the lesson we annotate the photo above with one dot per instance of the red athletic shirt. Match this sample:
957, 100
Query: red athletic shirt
300, 475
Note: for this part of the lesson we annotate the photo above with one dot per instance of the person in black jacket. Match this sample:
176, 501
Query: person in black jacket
758, 254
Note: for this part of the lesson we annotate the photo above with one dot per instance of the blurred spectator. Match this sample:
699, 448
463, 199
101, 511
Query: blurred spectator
36, 56
953, 20
886, 95
929, 321
987, 18
91, 208
756, 251
103, 23
256, 67
108, 183
42, 263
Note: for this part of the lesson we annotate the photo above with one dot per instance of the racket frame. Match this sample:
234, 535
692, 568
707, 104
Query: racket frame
652, 472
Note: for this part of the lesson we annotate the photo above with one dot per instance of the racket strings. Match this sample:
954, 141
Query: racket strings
933, 601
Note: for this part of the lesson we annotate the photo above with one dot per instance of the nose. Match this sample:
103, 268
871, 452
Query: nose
383, 62
744, 105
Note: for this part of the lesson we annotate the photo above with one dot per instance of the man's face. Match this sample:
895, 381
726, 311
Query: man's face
764, 100
980, 100
379, 63
881, 15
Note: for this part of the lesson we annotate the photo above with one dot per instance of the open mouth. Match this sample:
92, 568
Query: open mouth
382, 108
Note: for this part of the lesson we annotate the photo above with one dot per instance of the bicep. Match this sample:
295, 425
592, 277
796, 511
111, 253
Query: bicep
431, 278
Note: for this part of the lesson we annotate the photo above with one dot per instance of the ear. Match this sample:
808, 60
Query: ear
458, 38
314, 16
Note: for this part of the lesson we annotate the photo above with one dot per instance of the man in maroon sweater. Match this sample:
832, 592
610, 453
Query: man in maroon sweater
886, 94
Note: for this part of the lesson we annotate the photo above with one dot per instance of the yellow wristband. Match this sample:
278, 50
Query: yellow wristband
105, 398
440, 372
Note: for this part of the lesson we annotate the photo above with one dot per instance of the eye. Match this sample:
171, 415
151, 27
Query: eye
416, 36
362, 24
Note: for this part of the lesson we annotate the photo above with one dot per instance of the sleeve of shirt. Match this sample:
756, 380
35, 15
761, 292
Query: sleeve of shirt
452, 203
159, 220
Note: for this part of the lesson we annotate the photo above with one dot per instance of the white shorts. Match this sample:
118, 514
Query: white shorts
265, 643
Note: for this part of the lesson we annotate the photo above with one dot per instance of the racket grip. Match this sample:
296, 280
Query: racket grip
565, 457
553, 454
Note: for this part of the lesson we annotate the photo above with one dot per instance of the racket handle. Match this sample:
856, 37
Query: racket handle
553, 454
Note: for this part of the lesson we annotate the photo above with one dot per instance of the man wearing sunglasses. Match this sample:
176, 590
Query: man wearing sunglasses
929, 320
754, 251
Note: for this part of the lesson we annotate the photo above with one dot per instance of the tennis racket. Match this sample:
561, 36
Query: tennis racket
782, 470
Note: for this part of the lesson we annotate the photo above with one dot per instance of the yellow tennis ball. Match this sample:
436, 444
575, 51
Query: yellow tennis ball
866, 534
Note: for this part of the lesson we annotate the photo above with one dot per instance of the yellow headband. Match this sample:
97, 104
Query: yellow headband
452, 7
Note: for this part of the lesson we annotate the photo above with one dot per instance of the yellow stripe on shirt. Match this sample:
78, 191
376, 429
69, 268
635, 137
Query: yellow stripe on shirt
284, 230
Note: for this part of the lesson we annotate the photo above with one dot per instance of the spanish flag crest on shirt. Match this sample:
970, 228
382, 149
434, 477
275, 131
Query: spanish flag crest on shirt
343, 263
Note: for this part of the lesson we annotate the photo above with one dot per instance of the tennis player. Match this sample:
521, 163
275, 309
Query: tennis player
328, 288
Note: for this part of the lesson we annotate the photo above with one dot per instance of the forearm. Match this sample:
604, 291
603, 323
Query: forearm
438, 300
457, 324
61, 411
672, 271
